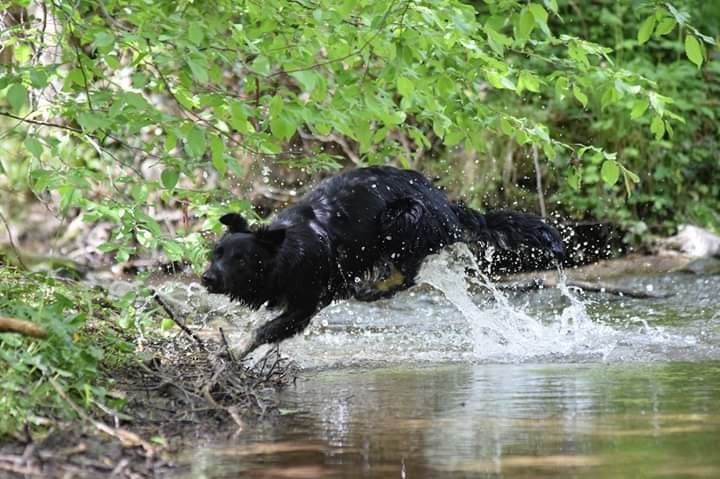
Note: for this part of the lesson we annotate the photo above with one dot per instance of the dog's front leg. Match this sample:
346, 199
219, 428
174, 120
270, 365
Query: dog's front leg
289, 323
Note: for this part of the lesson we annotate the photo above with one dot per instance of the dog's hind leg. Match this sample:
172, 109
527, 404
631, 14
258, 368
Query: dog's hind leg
402, 247
384, 288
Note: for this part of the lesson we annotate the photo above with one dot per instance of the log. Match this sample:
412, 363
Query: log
585, 286
20, 326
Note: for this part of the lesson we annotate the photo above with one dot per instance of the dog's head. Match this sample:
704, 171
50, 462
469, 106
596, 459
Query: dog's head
243, 260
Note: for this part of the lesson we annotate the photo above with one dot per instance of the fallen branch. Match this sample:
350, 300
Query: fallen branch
20, 326
585, 286
126, 438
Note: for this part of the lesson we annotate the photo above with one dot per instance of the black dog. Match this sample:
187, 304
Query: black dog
369, 222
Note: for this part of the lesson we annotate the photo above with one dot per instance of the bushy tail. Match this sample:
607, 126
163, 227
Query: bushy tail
511, 230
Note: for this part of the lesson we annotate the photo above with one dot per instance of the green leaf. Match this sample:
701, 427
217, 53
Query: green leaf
195, 33
307, 78
552, 5
22, 53
629, 178
170, 141
541, 17
610, 96
665, 26
562, 85
16, 95
33, 146
169, 177
282, 127
199, 70
639, 108
38, 78
528, 81
573, 179
405, 86
693, 50
91, 121
610, 172
261, 65
506, 127
167, 324
238, 118
104, 40
444, 86
195, 142
497, 40
217, 148
646, 29
657, 127
525, 26
539, 12
581, 97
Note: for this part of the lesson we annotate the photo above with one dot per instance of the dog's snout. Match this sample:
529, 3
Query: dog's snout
209, 279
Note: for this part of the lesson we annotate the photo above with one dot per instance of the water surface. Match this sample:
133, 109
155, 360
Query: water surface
455, 378
457, 421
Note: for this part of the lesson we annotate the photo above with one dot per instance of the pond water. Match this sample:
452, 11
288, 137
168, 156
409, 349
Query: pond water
439, 382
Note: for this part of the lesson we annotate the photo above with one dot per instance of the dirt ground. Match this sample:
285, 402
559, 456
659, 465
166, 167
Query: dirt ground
186, 390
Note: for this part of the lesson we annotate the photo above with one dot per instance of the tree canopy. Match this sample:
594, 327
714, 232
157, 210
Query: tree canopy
97, 91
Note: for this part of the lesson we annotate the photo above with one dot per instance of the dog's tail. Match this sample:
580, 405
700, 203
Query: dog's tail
510, 230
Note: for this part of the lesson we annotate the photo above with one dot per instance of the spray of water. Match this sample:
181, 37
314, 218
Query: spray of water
502, 331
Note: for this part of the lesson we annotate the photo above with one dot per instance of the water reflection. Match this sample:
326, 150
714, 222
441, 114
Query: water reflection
486, 421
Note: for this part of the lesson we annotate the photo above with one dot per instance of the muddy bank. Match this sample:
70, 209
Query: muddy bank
181, 391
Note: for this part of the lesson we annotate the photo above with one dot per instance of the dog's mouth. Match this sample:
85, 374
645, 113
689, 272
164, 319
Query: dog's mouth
212, 285
213, 289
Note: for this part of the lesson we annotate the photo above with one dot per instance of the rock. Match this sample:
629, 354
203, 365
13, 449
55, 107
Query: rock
694, 241
703, 266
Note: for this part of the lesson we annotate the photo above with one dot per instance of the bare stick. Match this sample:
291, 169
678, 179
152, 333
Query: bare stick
173, 315
12, 243
227, 346
126, 438
19, 326
538, 180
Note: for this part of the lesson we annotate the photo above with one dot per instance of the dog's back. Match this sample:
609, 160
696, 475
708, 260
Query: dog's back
373, 218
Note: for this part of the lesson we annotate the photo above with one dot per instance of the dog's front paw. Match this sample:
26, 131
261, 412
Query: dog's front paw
243, 348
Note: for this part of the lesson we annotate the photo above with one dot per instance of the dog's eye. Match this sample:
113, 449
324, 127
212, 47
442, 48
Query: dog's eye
238, 258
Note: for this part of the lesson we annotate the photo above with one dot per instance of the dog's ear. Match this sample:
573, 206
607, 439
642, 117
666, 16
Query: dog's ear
235, 222
271, 237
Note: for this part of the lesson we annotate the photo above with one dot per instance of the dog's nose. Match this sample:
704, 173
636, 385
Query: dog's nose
208, 279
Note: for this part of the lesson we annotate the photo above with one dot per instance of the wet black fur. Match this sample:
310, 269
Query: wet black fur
351, 226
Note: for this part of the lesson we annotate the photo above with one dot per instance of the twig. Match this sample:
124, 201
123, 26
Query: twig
19, 326
40, 123
126, 438
172, 314
538, 181
227, 346
12, 243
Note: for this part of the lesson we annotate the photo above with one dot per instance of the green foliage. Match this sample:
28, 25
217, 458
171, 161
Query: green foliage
71, 356
676, 179
203, 89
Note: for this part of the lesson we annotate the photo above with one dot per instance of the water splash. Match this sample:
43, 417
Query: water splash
505, 332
